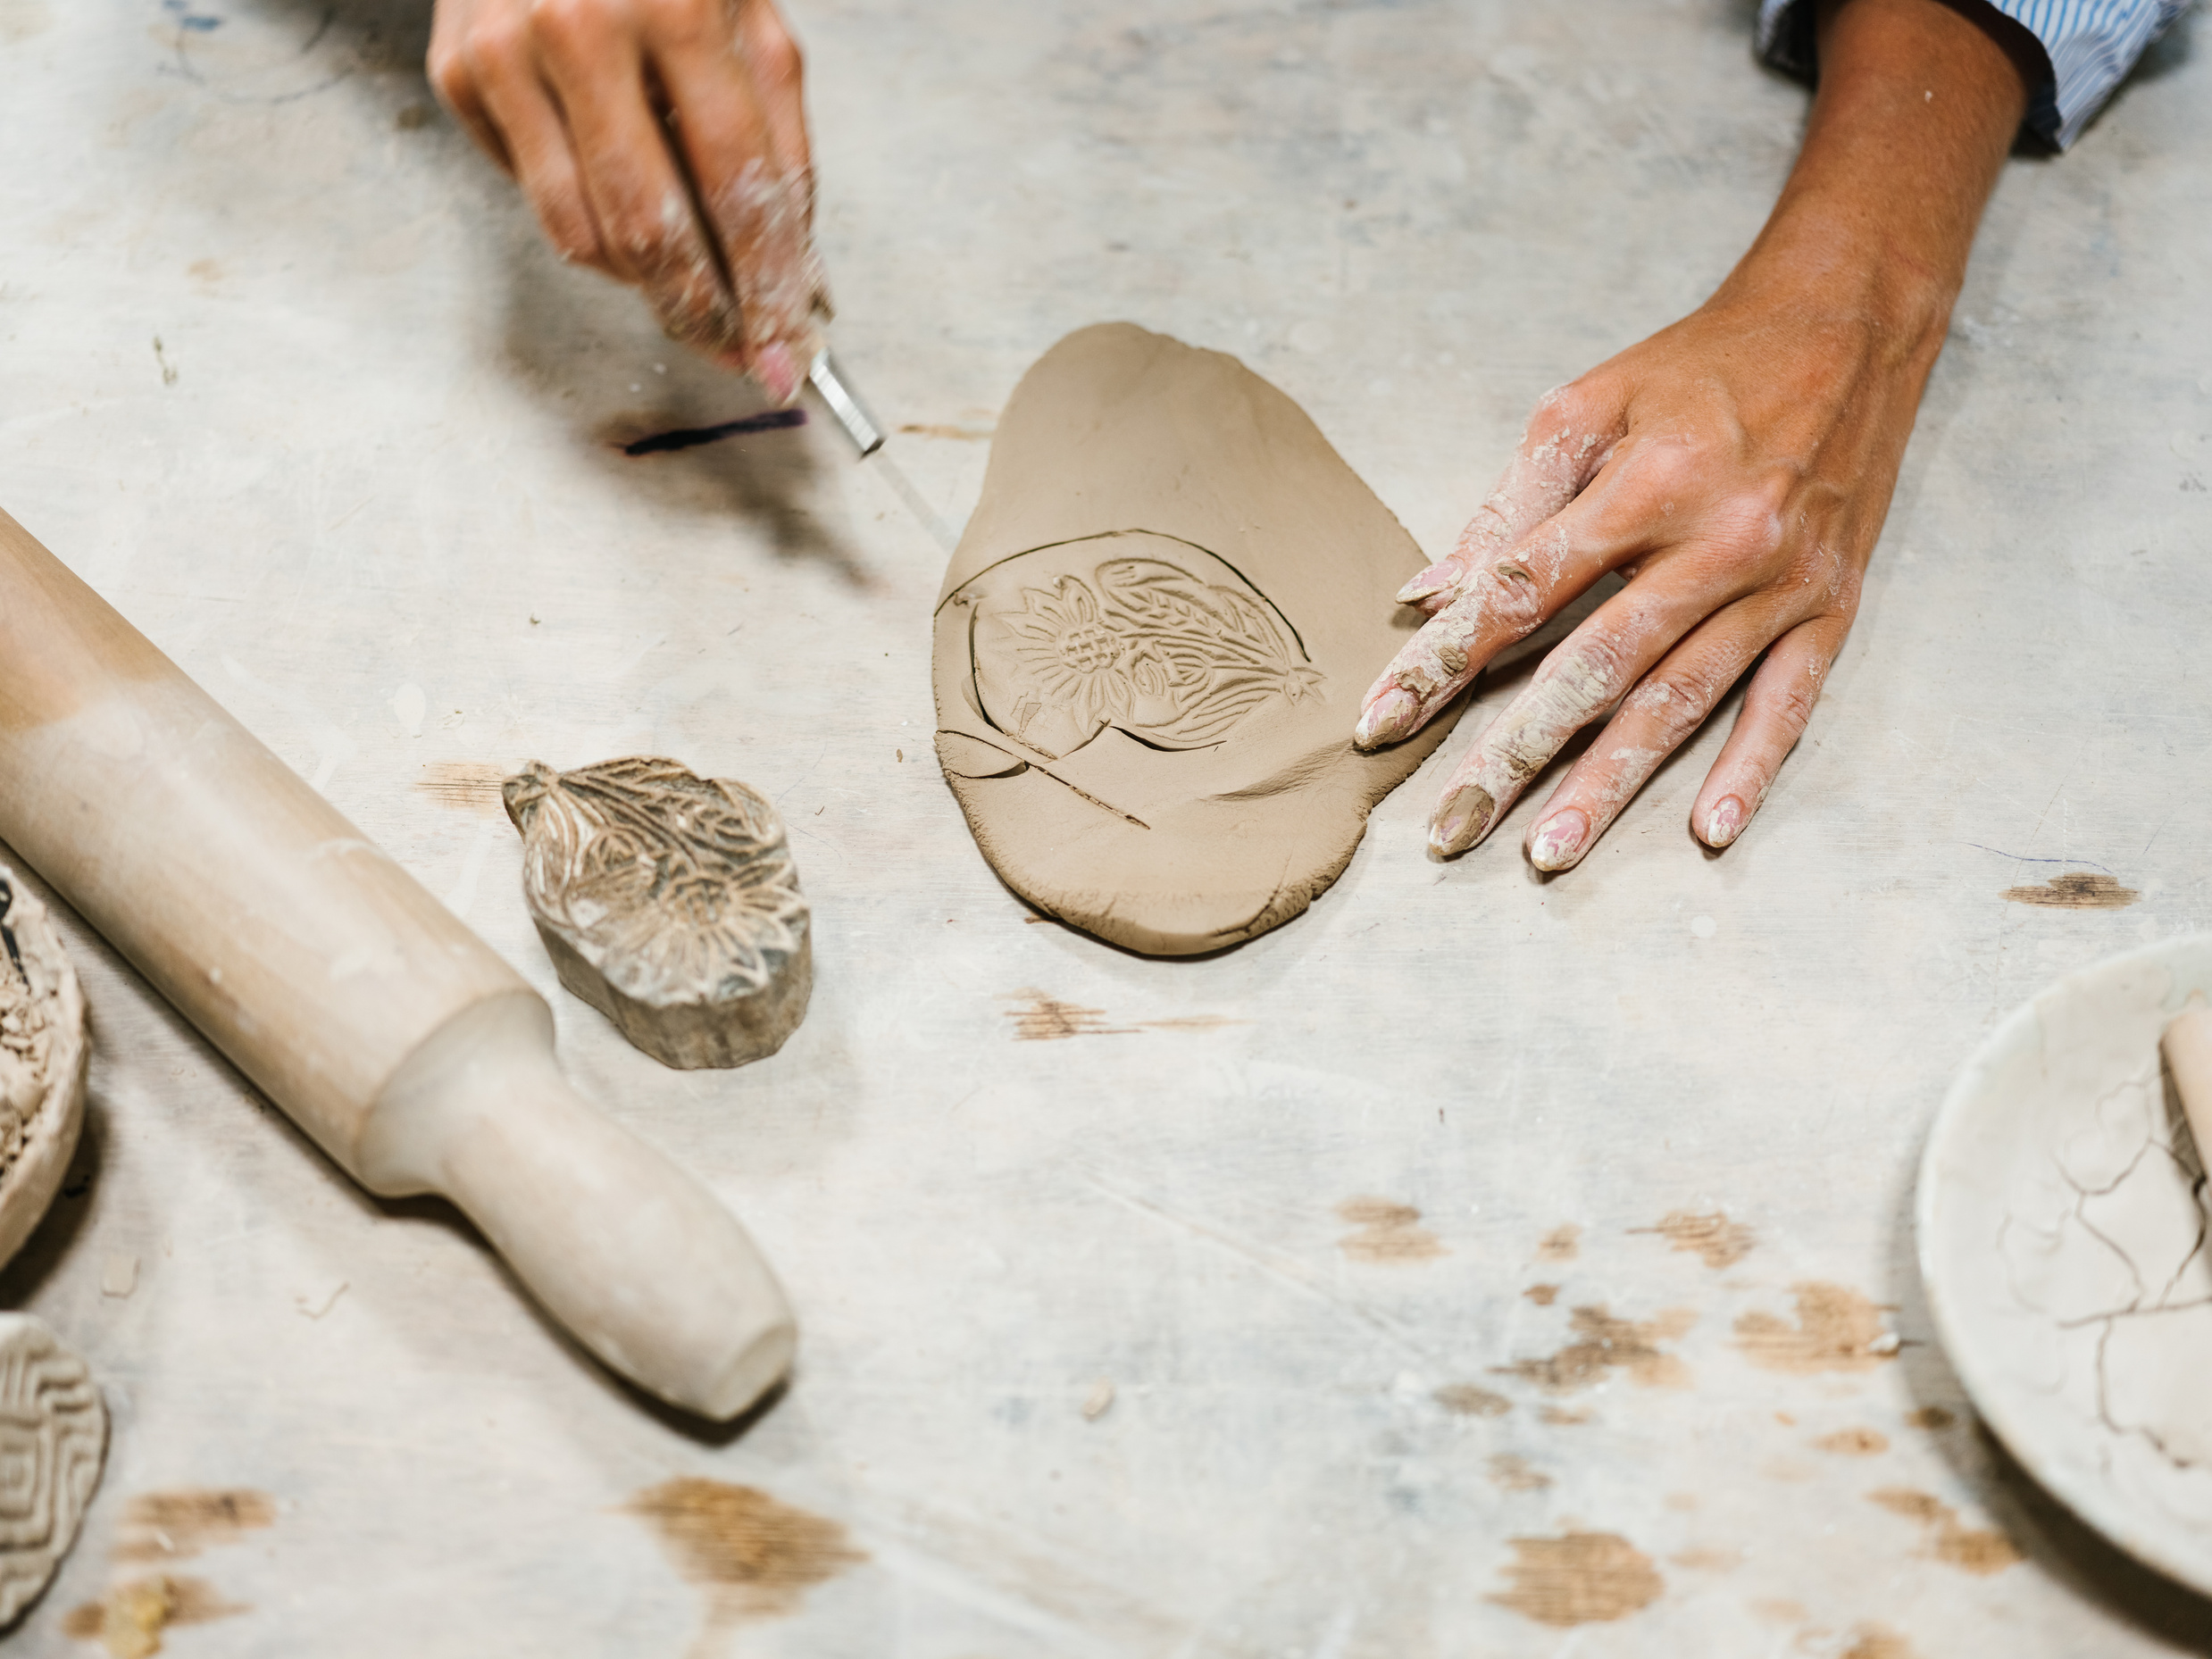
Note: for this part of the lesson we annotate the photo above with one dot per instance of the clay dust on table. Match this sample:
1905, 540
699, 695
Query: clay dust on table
1463, 1399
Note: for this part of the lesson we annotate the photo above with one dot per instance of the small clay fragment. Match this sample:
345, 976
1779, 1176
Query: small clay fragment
668, 901
1151, 642
42, 1063
53, 1439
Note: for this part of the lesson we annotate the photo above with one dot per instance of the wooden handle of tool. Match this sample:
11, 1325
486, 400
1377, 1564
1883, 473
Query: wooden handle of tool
2187, 1047
636, 1258
415, 1056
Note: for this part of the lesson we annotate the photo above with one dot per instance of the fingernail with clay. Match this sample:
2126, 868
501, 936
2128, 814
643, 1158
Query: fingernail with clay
1388, 718
1559, 839
778, 371
1724, 822
1435, 579
1461, 819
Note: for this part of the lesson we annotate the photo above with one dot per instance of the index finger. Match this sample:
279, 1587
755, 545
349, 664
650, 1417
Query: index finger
1556, 458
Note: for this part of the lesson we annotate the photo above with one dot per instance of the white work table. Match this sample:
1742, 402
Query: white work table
362, 490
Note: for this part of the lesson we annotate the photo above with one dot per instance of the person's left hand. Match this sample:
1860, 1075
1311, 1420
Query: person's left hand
1736, 467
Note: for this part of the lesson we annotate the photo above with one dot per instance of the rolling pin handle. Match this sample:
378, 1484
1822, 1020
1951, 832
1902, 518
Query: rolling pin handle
640, 1262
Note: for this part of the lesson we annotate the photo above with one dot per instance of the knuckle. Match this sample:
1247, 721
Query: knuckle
1675, 704
572, 25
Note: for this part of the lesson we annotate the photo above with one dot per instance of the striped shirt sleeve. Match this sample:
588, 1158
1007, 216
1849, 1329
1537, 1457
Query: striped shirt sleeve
2091, 45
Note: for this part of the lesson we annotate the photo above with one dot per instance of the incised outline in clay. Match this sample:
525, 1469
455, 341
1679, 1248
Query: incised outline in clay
1174, 661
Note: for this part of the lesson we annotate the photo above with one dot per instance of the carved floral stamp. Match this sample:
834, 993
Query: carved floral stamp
669, 901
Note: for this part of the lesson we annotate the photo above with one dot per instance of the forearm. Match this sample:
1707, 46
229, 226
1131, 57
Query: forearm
1917, 106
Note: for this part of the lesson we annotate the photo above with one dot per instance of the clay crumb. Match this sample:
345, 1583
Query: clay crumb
1717, 1240
1561, 1244
129, 1623
169, 1526
1544, 1296
414, 118
1878, 1641
1853, 1443
1517, 1474
1044, 1019
464, 786
1934, 1418
1579, 1578
753, 1555
1980, 1551
1609, 1344
2075, 890
1837, 1329
1563, 1416
1463, 1399
1100, 1400
119, 1275
1385, 1232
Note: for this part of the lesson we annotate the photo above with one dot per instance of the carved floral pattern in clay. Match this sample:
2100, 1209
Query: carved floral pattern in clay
1143, 646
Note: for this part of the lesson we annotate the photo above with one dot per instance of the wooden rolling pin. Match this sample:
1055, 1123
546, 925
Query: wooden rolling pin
403, 1045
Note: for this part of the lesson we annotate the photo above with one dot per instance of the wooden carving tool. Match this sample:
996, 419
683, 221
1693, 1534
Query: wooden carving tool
410, 1051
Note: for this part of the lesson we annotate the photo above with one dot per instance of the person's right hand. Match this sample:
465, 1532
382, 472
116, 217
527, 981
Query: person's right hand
587, 104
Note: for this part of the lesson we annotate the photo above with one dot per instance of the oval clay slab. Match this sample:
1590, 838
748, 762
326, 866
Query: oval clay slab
1151, 644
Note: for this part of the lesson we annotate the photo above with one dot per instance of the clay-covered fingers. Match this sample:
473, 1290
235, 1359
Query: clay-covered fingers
662, 141
740, 118
595, 62
1776, 707
1667, 707
1584, 675
483, 65
1569, 438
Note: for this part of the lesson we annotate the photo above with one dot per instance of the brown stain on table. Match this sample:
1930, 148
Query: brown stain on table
1561, 1244
1979, 1550
1719, 1241
1386, 1232
464, 786
169, 1526
1853, 1443
1043, 1019
1934, 1418
1517, 1474
129, 1623
1544, 1296
1608, 1343
1463, 1399
1837, 1329
1708, 1558
1878, 1641
2077, 889
754, 1556
1579, 1578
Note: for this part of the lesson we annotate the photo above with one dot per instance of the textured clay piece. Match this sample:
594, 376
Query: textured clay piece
42, 1064
53, 1439
1151, 645
670, 904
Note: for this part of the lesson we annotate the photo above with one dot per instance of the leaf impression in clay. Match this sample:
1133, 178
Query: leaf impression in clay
53, 1440
669, 901
43, 1052
1150, 645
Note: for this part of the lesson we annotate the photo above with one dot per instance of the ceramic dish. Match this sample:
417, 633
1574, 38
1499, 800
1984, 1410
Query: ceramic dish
2062, 1241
